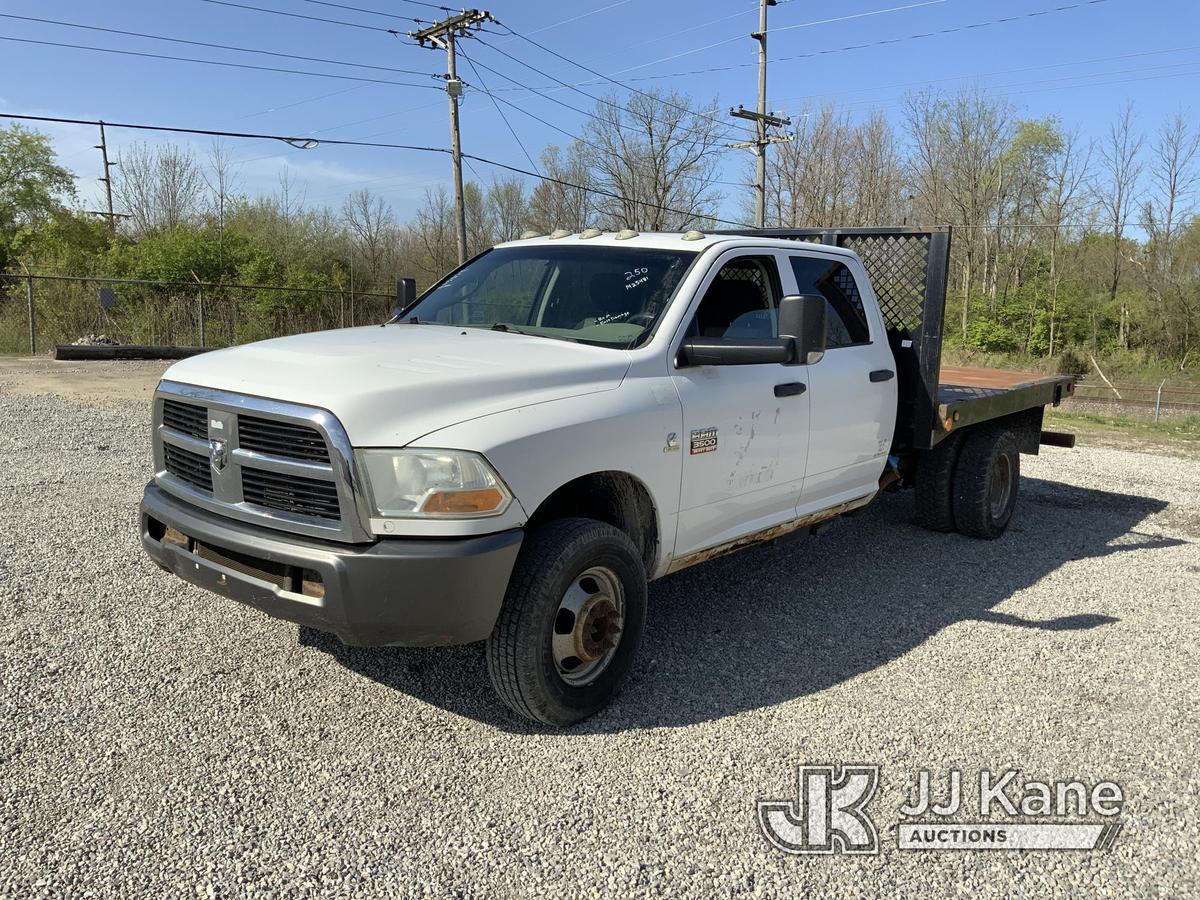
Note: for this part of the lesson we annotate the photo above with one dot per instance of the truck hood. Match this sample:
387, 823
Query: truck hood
389, 386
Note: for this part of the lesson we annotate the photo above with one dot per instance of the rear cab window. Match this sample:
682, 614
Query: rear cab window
846, 317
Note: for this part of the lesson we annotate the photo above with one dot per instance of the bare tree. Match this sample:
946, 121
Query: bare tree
160, 187
957, 172
834, 172
434, 233
810, 179
1120, 172
508, 208
1069, 171
565, 198
481, 228
1174, 177
877, 173
223, 183
372, 225
657, 158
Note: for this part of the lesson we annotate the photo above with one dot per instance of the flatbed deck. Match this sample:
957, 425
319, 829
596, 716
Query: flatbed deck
967, 396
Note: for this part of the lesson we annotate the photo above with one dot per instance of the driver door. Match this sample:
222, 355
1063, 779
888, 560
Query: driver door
745, 437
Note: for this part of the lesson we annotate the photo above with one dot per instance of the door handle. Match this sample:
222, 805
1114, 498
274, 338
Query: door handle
790, 389
883, 375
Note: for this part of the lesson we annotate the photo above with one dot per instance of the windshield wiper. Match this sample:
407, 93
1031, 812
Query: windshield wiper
513, 329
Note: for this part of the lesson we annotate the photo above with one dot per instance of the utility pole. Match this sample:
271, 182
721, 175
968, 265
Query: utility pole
762, 119
107, 179
441, 35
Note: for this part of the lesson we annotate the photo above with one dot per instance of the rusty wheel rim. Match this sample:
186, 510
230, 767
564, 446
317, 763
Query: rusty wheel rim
588, 626
1001, 485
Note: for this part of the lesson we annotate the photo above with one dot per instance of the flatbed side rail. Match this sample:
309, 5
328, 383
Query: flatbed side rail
908, 267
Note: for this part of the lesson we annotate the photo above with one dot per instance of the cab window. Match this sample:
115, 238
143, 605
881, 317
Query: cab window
845, 316
741, 302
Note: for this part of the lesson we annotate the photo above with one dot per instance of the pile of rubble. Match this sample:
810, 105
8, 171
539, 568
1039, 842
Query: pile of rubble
95, 340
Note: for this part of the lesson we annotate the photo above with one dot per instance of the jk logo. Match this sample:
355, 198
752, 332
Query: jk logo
828, 815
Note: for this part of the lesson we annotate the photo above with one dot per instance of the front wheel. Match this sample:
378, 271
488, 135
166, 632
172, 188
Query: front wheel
571, 622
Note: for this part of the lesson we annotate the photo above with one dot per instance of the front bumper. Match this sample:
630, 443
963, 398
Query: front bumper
412, 592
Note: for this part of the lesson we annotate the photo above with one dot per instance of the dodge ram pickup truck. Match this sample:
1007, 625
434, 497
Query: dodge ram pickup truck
513, 456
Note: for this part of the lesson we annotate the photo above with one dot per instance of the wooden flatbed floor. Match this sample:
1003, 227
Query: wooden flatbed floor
994, 379
967, 396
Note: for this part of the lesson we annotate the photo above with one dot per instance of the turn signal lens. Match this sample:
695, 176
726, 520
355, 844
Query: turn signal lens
468, 502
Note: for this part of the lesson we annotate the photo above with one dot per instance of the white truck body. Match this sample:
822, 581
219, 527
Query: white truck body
545, 412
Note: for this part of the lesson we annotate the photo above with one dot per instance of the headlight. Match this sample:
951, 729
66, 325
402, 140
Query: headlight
439, 484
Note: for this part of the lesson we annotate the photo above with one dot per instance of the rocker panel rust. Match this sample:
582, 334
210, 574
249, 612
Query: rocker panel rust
768, 534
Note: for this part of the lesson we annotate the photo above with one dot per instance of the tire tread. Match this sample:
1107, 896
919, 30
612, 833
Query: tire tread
543, 557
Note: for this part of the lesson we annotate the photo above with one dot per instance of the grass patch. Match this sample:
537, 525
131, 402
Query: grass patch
1181, 428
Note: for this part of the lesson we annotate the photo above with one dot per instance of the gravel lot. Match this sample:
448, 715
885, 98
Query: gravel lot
156, 740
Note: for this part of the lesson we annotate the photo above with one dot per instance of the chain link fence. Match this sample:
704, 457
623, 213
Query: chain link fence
38, 311
1136, 399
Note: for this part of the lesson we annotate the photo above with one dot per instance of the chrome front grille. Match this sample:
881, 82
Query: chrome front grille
282, 439
186, 418
281, 465
188, 466
306, 496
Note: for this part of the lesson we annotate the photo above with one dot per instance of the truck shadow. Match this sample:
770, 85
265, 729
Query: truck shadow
783, 621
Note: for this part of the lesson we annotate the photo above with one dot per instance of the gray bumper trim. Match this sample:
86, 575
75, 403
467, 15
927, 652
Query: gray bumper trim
413, 592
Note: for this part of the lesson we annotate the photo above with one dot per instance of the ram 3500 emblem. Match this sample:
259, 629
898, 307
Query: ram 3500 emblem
218, 455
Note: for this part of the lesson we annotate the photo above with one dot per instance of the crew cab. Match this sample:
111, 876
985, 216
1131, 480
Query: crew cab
515, 455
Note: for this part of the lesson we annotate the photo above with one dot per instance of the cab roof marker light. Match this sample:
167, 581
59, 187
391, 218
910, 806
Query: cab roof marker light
529, 235
589, 233
693, 235
625, 234
559, 233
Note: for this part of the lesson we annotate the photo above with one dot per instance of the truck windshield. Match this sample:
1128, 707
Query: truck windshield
609, 296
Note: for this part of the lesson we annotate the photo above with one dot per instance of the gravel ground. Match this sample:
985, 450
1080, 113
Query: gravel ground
159, 741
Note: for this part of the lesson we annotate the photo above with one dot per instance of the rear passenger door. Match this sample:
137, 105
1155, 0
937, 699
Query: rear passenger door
852, 389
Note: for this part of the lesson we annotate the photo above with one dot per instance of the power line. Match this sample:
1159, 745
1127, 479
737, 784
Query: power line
496, 104
862, 15
588, 143
280, 12
580, 16
1058, 65
377, 12
594, 72
213, 62
309, 143
1040, 81
175, 40
582, 112
601, 100
880, 43
300, 143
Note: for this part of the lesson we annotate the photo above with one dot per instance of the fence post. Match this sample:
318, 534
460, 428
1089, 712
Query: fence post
1158, 399
32, 319
201, 317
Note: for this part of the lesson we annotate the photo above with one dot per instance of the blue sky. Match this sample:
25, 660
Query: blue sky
1080, 64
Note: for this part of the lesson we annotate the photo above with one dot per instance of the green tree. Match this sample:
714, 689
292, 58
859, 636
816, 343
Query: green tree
32, 184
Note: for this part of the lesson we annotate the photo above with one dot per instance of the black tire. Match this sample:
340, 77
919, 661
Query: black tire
986, 482
935, 484
520, 652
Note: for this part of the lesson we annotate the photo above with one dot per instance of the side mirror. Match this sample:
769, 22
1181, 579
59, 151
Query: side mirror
802, 318
700, 351
406, 295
